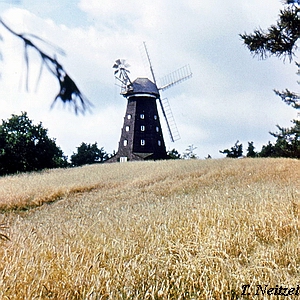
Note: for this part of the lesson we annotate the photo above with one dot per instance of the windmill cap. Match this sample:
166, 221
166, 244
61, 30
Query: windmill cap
142, 86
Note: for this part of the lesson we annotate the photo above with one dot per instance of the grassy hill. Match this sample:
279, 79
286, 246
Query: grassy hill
152, 230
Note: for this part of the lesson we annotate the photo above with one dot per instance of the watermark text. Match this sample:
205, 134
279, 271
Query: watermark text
266, 290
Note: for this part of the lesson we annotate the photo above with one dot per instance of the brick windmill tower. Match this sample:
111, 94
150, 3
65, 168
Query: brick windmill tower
141, 135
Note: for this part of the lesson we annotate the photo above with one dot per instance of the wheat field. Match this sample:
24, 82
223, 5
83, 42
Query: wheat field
184, 229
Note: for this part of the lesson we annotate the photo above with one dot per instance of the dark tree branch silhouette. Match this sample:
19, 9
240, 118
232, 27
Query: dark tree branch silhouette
69, 92
280, 39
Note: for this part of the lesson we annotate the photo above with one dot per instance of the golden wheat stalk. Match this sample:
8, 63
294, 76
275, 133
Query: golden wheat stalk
3, 236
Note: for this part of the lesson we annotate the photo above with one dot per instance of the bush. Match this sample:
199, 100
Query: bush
27, 147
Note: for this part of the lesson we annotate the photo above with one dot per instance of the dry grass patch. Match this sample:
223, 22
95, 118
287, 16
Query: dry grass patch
25, 191
155, 230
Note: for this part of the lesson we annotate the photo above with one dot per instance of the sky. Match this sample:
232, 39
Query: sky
229, 97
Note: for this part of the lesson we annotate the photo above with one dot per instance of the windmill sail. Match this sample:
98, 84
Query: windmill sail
150, 64
170, 80
170, 121
175, 77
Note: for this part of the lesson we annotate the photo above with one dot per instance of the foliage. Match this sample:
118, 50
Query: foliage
174, 154
235, 151
288, 97
27, 147
287, 143
268, 150
88, 154
250, 150
280, 39
69, 92
189, 152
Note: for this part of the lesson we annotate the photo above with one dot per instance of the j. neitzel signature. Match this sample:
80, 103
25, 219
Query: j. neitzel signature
266, 290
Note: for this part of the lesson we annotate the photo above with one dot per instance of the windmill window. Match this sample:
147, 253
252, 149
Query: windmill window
159, 143
142, 128
143, 142
128, 117
127, 128
157, 129
125, 142
142, 116
155, 117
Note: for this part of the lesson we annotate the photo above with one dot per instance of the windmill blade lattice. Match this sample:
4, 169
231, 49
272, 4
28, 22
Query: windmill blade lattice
168, 81
170, 121
175, 77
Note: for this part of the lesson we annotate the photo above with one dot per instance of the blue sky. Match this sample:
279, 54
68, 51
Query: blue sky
230, 96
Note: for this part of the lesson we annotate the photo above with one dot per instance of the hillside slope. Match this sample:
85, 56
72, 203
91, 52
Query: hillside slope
152, 230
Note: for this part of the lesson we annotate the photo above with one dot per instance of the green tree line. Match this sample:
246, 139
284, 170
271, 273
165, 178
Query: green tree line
26, 147
285, 146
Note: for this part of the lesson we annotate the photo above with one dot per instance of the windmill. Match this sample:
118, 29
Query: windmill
141, 135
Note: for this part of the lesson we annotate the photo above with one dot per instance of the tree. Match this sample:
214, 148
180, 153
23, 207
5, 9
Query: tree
235, 152
280, 40
27, 147
290, 98
189, 152
250, 150
287, 143
174, 154
88, 154
268, 150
